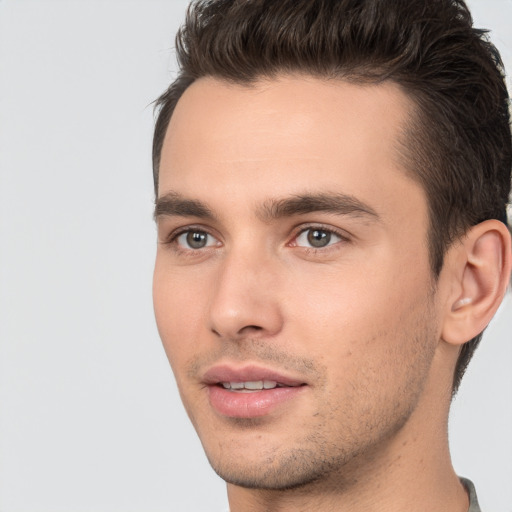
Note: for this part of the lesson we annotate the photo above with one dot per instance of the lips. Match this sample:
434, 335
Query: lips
250, 391
227, 373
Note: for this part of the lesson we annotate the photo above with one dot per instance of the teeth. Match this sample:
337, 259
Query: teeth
255, 385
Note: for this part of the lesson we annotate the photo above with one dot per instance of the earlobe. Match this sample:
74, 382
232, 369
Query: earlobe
483, 273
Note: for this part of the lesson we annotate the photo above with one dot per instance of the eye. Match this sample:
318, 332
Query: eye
317, 238
195, 239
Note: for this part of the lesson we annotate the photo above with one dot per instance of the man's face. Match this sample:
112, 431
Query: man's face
292, 257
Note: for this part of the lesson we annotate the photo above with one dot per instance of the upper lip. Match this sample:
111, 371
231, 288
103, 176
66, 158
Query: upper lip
248, 373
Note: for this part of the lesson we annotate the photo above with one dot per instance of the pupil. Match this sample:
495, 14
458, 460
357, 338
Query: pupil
319, 238
196, 239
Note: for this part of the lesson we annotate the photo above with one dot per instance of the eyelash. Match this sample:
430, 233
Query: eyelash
319, 227
172, 239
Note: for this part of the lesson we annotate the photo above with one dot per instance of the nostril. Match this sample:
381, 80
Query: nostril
234, 317
244, 331
249, 328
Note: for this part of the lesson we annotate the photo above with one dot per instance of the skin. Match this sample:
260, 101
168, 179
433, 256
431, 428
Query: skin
360, 321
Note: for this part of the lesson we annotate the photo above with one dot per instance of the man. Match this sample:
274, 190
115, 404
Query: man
331, 180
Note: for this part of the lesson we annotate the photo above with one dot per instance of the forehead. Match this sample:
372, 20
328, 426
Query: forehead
284, 136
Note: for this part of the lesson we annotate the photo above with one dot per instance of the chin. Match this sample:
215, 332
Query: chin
278, 471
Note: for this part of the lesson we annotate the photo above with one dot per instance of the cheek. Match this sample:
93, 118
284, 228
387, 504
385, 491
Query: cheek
178, 312
376, 348
360, 312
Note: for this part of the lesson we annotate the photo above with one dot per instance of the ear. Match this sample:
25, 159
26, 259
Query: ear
479, 272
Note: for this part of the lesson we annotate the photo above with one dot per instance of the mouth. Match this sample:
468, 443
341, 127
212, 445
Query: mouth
250, 391
255, 385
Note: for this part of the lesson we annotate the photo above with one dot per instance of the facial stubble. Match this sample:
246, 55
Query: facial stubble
337, 442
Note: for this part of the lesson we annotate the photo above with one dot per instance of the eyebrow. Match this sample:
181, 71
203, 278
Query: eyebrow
173, 204
338, 204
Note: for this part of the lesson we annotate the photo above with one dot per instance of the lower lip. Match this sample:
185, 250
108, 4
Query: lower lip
251, 404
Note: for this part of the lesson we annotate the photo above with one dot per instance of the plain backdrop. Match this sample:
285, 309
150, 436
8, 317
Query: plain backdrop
90, 420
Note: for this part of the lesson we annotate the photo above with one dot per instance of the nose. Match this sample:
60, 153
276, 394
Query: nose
245, 301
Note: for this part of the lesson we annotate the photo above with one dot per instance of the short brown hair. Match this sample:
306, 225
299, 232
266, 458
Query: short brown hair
458, 142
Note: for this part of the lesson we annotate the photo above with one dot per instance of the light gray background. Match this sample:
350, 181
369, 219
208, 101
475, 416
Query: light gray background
89, 416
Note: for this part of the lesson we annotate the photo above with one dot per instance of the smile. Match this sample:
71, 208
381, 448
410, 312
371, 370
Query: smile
255, 385
250, 391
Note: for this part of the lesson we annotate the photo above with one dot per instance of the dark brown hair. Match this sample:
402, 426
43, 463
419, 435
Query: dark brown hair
458, 141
